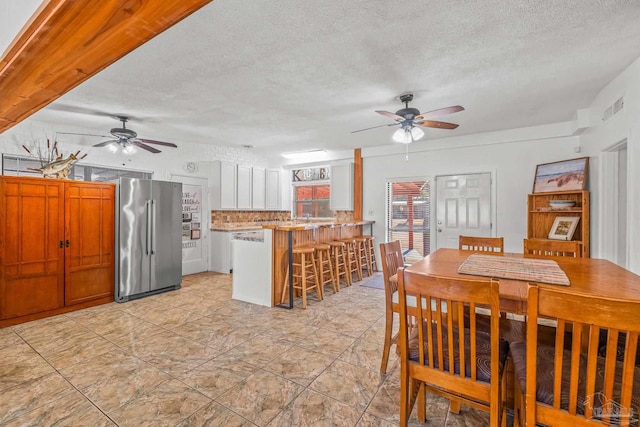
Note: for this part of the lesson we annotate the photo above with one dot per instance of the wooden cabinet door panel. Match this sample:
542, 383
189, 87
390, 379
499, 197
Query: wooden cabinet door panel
89, 218
31, 229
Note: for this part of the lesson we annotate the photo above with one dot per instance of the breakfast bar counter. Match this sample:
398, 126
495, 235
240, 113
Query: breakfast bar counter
290, 235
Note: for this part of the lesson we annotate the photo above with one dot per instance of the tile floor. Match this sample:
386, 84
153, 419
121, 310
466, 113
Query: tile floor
195, 357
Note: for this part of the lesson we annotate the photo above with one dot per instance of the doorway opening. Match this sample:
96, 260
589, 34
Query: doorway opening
614, 204
408, 217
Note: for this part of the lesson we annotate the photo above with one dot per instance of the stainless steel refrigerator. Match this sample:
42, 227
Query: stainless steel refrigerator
149, 237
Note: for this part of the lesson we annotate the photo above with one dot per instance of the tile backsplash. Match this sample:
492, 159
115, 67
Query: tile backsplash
227, 216
221, 217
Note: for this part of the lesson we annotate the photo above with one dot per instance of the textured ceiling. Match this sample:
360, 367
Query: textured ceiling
291, 75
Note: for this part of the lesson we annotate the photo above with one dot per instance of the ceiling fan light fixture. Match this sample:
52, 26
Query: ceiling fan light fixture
404, 136
113, 147
416, 133
129, 149
399, 136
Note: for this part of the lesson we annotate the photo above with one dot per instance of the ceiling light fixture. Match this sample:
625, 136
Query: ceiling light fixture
126, 147
407, 135
129, 149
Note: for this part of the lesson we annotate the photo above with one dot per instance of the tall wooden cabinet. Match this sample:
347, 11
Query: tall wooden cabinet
56, 246
541, 215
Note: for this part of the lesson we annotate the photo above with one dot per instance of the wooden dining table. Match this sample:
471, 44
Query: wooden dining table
590, 276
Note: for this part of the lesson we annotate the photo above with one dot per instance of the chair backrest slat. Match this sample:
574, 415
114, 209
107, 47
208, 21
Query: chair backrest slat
592, 358
576, 346
481, 244
459, 311
544, 248
391, 254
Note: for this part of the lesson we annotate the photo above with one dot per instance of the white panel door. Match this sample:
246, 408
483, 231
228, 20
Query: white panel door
196, 217
463, 207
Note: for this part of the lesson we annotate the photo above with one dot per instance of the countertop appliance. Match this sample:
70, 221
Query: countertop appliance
148, 237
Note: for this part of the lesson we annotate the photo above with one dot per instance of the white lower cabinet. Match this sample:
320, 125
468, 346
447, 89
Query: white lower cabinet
220, 254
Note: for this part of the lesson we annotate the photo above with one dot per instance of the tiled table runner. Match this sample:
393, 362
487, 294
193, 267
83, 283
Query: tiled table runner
528, 269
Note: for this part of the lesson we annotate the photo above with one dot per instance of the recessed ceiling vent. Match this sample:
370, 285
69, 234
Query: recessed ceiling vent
614, 109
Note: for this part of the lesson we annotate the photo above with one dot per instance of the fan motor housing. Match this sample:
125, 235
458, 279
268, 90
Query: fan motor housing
123, 133
408, 113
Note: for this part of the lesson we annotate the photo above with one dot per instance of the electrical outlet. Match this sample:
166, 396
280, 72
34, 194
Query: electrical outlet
370, 213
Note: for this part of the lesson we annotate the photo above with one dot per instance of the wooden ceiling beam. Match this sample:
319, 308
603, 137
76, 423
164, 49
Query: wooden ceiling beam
67, 41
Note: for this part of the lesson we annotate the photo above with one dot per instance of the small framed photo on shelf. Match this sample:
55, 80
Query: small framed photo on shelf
566, 175
563, 227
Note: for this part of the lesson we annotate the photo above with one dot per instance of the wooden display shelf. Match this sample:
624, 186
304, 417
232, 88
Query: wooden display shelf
541, 216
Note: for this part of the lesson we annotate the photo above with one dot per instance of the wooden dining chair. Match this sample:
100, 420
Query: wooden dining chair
581, 377
481, 244
391, 255
448, 355
545, 248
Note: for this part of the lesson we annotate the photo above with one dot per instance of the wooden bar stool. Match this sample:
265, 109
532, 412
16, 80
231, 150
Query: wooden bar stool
304, 271
362, 253
339, 261
353, 263
372, 252
324, 267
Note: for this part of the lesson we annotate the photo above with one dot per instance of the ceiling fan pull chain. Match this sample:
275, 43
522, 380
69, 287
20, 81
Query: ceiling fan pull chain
406, 153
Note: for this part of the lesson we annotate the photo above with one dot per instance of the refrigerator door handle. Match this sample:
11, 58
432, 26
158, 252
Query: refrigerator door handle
153, 227
148, 230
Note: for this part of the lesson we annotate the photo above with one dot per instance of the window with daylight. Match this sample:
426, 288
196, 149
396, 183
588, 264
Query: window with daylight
312, 201
311, 193
409, 217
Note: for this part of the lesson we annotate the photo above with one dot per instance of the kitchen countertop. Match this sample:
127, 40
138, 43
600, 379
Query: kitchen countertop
285, 225
304, 225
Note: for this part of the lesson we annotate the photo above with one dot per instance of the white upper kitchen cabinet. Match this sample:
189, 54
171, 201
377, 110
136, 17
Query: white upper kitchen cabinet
244, 187
224, 186
273, 194
259, 188
341, 198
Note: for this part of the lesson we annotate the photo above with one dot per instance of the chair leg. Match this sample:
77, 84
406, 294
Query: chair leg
388, 330
422, 403
319, 292
304, 281
454, 406
405, 411
285, 288
320, 271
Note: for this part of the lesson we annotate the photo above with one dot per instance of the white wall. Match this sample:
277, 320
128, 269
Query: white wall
512, 161
596, 141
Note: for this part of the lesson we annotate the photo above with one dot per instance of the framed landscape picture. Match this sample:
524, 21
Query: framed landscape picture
563, 227
566, 175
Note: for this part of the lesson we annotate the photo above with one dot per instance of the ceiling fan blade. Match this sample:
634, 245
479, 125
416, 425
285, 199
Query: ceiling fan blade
105, 143
438, 112
83, 134
144, 146
434, 124
373, 127
151, 141
392, 116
